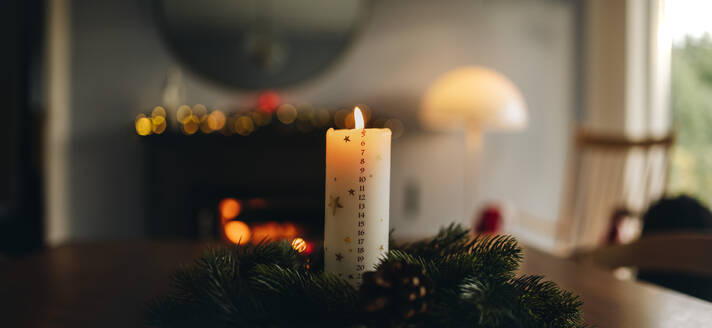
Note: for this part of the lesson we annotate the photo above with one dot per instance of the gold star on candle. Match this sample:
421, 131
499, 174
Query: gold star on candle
380, 248
378, 157
347, 139
352, 192
339, 257
334, 204
347, 240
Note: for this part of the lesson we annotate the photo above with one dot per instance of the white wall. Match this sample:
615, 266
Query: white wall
533, 44
119, 64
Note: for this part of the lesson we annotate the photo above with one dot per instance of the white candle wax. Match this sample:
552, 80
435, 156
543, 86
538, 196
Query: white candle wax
358, 170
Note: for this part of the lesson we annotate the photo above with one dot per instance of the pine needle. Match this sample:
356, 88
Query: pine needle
268, 285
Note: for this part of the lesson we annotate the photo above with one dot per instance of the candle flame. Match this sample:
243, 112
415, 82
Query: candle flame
358, 119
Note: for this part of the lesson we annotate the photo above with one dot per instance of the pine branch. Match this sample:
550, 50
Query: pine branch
269, 285
449, 239
215, 286
545, 301
304, 299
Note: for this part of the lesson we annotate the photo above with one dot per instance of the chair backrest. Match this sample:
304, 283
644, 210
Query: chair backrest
605, 174
679, 252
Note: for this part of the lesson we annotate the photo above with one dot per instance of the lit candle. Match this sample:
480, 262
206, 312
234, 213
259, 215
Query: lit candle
358, 172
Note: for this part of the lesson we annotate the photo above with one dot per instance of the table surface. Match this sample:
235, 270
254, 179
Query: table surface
108, 284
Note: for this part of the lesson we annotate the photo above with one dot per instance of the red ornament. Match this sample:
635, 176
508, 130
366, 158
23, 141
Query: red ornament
310, 248
490, 220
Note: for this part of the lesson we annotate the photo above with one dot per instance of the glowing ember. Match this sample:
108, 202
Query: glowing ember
229, 208
237, 232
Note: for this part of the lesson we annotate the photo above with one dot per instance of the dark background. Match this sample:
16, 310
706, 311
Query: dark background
21, 34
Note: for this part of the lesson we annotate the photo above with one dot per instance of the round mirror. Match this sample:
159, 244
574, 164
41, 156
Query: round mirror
260, 43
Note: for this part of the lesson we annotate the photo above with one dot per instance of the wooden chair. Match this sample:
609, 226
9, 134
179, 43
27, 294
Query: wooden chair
679, 252
607, 174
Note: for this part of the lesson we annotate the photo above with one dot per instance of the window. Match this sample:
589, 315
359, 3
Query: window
691, 83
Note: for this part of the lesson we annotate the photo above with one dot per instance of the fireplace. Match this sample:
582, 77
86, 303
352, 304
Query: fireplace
212, 186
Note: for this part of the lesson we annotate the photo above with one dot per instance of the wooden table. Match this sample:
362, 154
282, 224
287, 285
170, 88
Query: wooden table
107, 285
609, 302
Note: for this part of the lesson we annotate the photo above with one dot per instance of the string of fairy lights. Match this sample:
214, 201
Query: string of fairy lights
198, 119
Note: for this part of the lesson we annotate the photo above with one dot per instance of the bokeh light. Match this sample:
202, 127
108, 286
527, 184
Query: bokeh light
190, 126
349, 121
261, 118
267, 231
216, 120
205, 127
244, 125
257, 203
310, 248
200, 111
275, 231
183, 113
229, 208
379, 123
143, 125
158, 124
289, 230
396, 126
299, 245
230, 125
158, 111
305, 117
287, 114
268, 101
340, 118
237, 232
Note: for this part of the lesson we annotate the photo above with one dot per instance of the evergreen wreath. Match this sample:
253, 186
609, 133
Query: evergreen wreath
467, 283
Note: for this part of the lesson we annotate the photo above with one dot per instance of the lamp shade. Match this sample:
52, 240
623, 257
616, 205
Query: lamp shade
475, 98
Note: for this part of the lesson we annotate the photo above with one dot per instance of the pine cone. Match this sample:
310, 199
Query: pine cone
395, 293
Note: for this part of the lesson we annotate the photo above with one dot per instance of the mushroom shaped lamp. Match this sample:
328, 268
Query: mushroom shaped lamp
475, 99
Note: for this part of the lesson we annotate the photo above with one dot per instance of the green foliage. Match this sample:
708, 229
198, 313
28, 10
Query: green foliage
268, 285
691, 160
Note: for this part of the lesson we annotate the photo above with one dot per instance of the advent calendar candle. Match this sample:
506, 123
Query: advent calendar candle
358, 172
